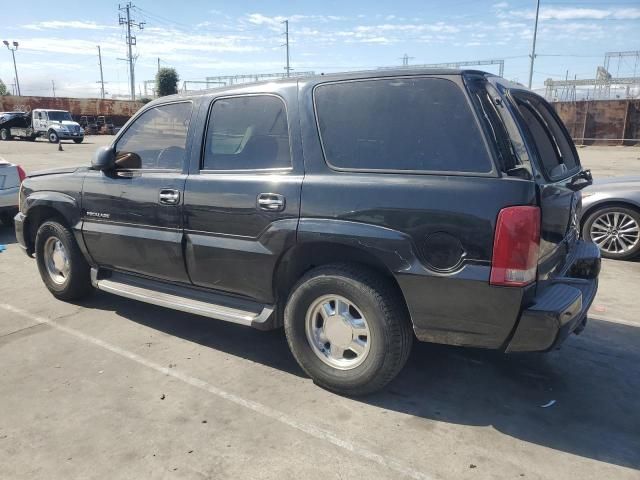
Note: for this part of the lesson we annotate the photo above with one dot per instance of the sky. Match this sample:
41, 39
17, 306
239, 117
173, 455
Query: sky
209, 38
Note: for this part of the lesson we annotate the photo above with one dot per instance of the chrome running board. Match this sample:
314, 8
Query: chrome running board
183, 298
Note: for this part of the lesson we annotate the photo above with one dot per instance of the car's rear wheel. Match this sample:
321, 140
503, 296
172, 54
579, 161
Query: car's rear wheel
62, 266
78, 140
53, 136
348, 328
615, 230
4, 134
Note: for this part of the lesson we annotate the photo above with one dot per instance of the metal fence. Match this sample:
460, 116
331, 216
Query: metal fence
602, 122
119, 110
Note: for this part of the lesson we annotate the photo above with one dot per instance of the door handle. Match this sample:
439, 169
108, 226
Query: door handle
271, 202
169, 196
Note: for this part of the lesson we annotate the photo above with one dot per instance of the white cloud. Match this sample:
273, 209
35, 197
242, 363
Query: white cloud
276, 20
570, 13
500, 5
66, 24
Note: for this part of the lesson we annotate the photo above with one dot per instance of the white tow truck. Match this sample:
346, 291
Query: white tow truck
54, 125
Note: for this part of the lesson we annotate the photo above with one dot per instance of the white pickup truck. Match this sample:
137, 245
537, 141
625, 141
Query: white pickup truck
54, 125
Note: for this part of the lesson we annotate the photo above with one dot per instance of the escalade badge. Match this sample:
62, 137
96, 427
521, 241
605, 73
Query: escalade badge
98, 214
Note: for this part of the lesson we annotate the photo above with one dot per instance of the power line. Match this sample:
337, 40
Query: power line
131, 41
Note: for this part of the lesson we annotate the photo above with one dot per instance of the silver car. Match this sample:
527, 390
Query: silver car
10, 178
611, 216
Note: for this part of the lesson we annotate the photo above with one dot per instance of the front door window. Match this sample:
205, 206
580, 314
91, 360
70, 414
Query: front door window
156, 140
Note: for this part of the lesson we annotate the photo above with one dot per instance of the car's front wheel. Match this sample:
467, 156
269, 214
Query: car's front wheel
615, 230
78, 140
53, 136
4, 134
62, 266
348, 328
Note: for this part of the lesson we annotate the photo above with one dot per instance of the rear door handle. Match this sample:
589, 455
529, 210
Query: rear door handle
169, 196
271, 202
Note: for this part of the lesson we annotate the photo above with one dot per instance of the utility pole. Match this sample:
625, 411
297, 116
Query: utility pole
53, 87
15, 69
286, 44
533, 47
405, 60
101, 76
131, 41
158, 64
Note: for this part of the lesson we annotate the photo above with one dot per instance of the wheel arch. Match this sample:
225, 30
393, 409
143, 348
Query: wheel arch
43, 206
615, 202
305, 256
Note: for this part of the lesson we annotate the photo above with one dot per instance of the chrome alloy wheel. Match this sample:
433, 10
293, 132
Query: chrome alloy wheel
56, 260
337, 332
615, 232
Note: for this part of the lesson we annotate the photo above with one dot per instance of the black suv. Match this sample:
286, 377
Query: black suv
356, 210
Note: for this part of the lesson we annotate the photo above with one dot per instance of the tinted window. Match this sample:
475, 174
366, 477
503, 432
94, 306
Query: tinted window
512, 154
422, 124
553, 144
247, 133
156, 139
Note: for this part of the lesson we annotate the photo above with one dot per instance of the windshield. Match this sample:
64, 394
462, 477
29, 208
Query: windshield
59, 116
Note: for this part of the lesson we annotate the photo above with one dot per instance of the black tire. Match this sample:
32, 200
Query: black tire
78, 140
4, 135
588, 224
77, 284
387, 317
52, 136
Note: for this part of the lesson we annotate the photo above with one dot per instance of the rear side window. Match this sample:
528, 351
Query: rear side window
247, 133
401, 124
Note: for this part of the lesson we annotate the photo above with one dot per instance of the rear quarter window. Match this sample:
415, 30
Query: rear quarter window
399, 124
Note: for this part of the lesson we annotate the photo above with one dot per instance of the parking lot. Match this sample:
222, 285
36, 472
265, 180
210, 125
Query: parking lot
112, 388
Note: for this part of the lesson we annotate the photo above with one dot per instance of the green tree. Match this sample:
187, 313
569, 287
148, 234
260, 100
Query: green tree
166, 82
3, 89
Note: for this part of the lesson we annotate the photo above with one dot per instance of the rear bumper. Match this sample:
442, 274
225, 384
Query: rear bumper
561, 305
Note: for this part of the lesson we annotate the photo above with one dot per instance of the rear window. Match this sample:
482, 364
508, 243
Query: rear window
555, 149
399, 124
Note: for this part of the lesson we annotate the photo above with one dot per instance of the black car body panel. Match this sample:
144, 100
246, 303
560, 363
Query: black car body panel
431, 232
45, 194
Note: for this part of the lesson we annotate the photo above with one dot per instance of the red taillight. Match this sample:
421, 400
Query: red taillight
21, 173
515, 246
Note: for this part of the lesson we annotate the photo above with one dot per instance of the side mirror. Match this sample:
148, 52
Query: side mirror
104, 159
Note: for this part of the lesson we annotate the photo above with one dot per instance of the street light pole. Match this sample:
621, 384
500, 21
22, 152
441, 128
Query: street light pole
533, 47
15, 69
